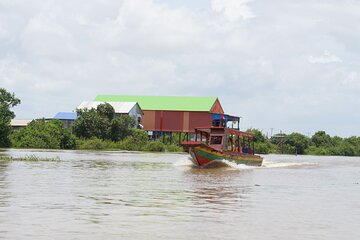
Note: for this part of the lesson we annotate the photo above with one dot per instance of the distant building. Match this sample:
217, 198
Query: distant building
170, 114
17, 124
68, 118
129, 108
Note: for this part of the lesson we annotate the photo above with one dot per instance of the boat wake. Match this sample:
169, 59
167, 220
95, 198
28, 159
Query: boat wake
288, 164
265, 165
228, 164
184, 162
238, 166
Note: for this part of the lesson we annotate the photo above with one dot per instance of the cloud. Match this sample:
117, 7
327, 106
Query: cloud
351, 82
233, 10
326, 57
45, 36
279, 64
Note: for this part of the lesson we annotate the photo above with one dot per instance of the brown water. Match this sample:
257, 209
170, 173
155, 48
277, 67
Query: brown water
116, 195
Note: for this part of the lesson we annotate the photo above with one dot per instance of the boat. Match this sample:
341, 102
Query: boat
217, 143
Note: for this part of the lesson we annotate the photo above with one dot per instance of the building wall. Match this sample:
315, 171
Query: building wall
179, 121
175, 121
199, 119
136, 114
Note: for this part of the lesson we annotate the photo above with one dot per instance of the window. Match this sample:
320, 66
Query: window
215, 139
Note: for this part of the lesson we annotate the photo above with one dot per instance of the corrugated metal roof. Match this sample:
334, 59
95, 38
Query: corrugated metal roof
20, 122
119, 107
66, 116
169, 103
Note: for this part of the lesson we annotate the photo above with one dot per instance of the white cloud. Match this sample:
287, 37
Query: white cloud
44, 36
326, 57
351, 81
254, 55
233, 10
3, 32
142, 25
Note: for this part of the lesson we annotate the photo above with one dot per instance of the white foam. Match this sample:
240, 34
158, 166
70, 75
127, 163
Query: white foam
237, 166
266, 164
183, 162
286, 164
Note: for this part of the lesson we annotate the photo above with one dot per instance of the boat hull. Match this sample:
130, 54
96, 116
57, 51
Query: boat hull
203, 155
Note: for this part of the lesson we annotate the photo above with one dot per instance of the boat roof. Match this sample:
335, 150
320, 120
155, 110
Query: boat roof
226, 131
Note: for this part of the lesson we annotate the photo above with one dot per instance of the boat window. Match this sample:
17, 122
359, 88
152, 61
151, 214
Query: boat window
215, 139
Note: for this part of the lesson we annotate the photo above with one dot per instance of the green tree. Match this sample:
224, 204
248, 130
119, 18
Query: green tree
7, 101
102, 123
45, 135
259, 136
121, 127
321, 139
298, 142
106, 110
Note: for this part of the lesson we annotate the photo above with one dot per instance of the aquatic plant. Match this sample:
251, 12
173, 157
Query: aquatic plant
28, 158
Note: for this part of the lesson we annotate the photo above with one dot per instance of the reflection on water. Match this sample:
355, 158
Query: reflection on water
122, 195
4, 194
217, 188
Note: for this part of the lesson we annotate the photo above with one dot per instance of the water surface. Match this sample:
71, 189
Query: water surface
123, 195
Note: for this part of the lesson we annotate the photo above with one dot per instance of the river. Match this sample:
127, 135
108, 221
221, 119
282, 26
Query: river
123, 195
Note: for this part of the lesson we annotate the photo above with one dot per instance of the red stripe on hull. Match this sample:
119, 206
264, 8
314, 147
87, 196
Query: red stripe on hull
201, 160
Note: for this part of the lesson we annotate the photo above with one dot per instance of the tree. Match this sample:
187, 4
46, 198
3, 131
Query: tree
262, 144
106, 110
121, 127
102, 123
259, 137
321, 139
44, 134
7, 101
299, 141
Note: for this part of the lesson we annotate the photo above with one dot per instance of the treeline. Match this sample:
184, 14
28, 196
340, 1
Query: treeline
320, 143
96, 129
101, 128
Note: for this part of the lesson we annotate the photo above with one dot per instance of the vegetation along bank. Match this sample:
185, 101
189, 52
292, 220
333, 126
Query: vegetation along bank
102, 129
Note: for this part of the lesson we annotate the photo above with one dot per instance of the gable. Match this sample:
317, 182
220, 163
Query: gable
217, 108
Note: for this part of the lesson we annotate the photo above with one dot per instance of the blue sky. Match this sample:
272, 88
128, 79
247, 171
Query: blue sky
290, 66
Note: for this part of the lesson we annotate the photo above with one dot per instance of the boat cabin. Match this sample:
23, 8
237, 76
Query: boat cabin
226, 139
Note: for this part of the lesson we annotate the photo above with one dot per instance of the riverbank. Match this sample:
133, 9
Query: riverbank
127, 144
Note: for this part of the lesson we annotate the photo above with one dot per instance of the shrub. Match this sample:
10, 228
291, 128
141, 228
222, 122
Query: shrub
44, 134
91, 144
173, 148
155, 146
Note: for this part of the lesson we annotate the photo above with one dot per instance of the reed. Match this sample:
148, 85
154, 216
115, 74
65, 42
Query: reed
28, 158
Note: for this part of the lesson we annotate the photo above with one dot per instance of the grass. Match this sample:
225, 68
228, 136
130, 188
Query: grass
28, 158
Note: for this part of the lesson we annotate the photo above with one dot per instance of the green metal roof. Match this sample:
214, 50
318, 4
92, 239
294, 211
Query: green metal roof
169, 103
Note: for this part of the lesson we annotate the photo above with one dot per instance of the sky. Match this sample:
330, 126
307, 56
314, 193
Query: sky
283, 66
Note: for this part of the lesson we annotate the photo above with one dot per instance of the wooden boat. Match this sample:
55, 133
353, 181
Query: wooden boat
222, 143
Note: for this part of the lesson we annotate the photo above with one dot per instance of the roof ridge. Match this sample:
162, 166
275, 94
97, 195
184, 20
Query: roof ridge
169, 103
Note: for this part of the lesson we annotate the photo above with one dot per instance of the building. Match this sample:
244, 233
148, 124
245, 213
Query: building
68, 118
129, 108
170, 114
17, 124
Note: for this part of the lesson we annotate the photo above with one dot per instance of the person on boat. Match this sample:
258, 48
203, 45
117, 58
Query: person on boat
237, 146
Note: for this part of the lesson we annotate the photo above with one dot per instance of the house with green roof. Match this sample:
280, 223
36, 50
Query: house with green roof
173, 113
